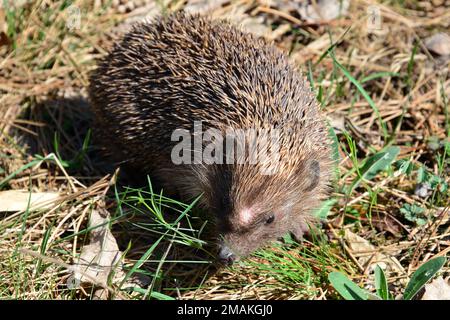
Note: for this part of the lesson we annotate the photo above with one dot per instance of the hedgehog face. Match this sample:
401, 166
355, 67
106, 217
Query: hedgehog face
249, 229
256, 209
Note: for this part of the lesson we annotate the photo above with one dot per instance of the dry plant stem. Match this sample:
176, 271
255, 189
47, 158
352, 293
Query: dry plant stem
428, 233
77, 230
296, 21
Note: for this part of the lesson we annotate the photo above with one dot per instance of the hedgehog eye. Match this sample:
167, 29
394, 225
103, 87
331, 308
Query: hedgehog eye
270, 219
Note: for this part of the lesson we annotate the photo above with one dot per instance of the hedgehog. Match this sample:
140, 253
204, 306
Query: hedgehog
173, 90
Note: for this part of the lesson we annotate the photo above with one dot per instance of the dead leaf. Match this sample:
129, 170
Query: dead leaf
253, 24
365, 253
387, 224
282, 5
438, 289
337, 121
102, 258
423, 190
439, 44
101, 255
202, 6
145, 13
323, 10
21, 200
4, 40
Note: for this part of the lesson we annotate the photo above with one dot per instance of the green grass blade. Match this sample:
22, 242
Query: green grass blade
324, 210
155, 295
376, 163
346, 288
331, 47
188, 209
381, 284
335, 150
364, 94
371, 296
160, 296
377, 75
12, 175
422, 276
142, 260
310, 76
410, 67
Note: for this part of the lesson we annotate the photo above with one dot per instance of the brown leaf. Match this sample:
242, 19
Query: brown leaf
102, 257
438, 289
366, 253
4, 39
323, 10
253, 24
387, 224
439, 44
21, 200
202, 6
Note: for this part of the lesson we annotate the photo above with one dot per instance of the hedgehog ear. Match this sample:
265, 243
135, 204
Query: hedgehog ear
313, 173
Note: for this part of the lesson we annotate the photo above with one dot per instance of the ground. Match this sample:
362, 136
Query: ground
382, 85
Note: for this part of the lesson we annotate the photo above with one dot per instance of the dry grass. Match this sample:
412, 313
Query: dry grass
45, 119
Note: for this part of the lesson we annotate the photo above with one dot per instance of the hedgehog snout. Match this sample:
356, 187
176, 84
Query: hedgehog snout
226, 256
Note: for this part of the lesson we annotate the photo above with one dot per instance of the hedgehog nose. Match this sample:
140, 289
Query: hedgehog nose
226, 256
